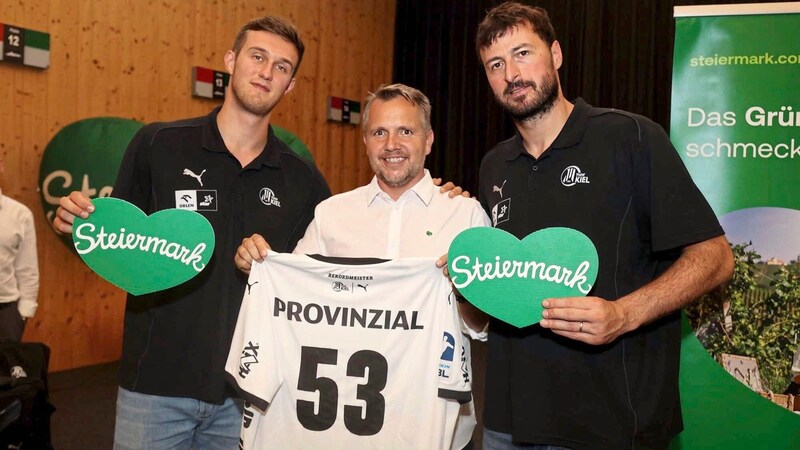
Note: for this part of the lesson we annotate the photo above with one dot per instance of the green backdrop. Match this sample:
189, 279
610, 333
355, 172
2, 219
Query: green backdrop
736, 123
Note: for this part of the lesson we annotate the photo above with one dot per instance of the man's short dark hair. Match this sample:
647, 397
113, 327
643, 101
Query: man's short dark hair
507, 16
277, 26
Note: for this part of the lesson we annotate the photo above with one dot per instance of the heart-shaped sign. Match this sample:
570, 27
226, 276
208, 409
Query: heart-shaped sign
142, 254
508, 279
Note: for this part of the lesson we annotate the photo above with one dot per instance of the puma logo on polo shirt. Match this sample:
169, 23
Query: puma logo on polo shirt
572, 175
199, 179
499, 189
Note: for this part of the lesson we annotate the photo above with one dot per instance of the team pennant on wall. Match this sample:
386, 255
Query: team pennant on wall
22, 46
344, 110
209, 83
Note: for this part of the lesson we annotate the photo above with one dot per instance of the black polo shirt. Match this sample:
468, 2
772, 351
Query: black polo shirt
616, 177
176, 341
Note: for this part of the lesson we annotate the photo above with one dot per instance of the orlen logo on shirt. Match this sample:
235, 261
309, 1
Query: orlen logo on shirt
572, 175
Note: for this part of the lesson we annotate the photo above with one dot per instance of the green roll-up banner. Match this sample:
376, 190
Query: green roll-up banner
736, 123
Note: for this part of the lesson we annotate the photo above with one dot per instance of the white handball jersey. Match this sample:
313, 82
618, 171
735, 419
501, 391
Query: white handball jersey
348, 354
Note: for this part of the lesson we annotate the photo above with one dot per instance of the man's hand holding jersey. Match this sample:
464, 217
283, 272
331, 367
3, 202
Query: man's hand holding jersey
253, 248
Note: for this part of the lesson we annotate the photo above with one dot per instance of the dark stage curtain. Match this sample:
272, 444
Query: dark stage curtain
617, 54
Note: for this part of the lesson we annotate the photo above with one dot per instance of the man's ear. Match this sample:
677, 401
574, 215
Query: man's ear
290, 87
429, 143
558, 57
230, 61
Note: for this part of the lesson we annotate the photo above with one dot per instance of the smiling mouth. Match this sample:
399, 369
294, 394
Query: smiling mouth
395, 159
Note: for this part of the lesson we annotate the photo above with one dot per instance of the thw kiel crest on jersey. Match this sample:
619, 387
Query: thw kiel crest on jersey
269, 198
573, 175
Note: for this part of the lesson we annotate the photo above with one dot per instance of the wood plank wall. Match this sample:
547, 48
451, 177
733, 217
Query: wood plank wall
133, 59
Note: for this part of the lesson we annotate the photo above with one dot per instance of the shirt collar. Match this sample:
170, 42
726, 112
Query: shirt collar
423, 189
212, 141
571, 134
1, 198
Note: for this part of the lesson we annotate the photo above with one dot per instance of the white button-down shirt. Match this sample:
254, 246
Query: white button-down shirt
19, 267
366, 222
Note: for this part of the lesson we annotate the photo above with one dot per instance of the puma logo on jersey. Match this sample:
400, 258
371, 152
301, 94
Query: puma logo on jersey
499, 189
363, 286
250, 285
188, 172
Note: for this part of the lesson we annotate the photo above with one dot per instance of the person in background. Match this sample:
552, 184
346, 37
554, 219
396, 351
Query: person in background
601, 371
19, 266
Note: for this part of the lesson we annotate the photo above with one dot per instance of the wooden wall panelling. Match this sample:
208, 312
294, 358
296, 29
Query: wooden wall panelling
353, 154
133, 59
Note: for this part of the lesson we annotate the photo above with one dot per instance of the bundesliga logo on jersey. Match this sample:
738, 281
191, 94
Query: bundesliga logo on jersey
448, 355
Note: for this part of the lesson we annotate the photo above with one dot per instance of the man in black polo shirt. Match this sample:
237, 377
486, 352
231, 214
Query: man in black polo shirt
234, 170
598, 372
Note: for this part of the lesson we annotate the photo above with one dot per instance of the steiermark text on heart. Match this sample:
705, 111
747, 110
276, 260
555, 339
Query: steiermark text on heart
481, 271
87, 241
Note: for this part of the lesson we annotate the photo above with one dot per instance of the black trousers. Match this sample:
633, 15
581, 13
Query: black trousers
11, 323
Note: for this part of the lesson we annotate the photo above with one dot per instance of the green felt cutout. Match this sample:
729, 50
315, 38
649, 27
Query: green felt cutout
158, 252
565, 266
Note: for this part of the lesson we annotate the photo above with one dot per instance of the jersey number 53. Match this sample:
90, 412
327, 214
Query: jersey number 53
365, 421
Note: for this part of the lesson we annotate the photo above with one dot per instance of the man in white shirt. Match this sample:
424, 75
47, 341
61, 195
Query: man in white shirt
399, 213
19, 267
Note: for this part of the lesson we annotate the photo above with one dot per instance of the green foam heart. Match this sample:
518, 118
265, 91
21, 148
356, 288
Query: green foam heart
142, 254
508, 278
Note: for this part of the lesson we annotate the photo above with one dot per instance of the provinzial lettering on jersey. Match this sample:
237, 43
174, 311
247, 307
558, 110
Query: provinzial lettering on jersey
380, 319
